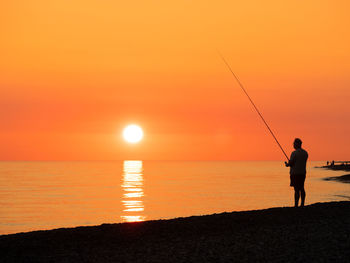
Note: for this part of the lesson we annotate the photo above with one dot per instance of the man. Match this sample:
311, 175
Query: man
297, 164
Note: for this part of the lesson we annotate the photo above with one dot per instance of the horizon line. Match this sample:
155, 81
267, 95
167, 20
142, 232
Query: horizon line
136, 159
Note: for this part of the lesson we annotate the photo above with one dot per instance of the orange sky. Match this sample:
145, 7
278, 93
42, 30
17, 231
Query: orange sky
74, 73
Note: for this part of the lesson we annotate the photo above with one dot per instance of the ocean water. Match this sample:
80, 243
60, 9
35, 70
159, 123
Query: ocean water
47, 195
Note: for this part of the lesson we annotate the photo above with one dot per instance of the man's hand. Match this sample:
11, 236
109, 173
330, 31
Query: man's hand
287, 164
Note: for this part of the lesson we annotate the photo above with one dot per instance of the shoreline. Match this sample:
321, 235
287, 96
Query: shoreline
335, 167
342, 178
317, 232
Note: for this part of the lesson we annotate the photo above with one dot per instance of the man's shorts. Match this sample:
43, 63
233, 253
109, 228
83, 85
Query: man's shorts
297, 180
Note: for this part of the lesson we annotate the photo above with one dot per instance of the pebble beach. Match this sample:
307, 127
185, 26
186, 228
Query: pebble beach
316, 233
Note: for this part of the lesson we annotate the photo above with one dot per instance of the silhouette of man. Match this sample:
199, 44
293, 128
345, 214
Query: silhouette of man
297, 164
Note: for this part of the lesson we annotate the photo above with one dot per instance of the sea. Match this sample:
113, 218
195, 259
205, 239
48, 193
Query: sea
49, 195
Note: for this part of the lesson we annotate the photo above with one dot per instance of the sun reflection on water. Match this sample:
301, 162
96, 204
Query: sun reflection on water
132, 186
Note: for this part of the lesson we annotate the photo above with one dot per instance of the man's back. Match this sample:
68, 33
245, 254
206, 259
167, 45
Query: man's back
297, 164
297, 161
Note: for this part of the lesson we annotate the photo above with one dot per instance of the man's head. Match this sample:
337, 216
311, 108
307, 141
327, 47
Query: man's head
297, 143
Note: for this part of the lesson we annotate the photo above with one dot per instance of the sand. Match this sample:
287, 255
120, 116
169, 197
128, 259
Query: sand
344, 178
315, 233
337, 167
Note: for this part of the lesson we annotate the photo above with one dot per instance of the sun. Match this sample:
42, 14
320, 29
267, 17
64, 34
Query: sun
133, 133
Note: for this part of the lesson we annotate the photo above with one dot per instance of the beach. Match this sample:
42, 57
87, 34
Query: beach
343, 178
316, 233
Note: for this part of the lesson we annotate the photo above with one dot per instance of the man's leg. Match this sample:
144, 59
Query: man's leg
303, 194
296, 196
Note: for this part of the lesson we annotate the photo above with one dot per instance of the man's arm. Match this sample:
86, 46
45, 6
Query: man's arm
291, 160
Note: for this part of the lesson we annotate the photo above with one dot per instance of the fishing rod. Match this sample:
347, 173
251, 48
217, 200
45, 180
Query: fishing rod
251, 101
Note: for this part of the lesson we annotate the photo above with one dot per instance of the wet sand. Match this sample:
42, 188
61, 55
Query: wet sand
315, 233
337, 167
344, 178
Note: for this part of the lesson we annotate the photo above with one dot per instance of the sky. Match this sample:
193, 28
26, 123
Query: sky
74, 73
